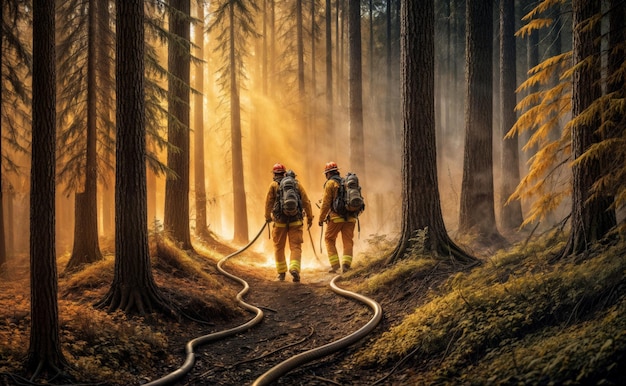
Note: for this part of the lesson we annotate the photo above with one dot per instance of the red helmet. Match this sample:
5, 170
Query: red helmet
331, 167
278, 168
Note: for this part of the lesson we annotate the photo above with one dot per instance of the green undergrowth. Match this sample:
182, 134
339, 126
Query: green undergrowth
517, 319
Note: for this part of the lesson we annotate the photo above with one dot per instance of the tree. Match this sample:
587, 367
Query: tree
355, 79
328, 131
199, 179
133, 288
390, 69
3, 247
595, 144
477, 214
237, 19
176, 216
86, 246
591, 216
421, 207
510, 212
107, 87
15, 114
614, 172
44, 351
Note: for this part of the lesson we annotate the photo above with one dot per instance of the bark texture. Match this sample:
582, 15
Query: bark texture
421, 207
44, 351
176, 214
133, 289
591, 219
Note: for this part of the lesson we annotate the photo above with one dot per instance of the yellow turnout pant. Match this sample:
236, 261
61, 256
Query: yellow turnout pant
346, 228
280, 233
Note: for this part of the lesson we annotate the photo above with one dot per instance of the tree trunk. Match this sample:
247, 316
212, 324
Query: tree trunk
510, 213
272, 53
389, 90
3, 247
44, 352
355, 80
85, 250
176, 214
201, 203
3, 243
421, 207
264, 52
86, 246
313, 143
239, 192
105, 52
477, 213
591, 219
328, 133
616, 54
133, 289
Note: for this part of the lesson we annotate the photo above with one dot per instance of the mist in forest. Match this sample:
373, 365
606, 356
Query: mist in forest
281, 123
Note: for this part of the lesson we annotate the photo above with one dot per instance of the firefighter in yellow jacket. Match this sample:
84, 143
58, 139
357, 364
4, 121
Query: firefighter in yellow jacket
287, 226
335, 222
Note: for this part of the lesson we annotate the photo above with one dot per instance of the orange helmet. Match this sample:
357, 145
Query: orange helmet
278, 168
331, 167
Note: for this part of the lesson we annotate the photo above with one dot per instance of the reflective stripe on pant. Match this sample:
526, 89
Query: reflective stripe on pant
280, 234
346, 228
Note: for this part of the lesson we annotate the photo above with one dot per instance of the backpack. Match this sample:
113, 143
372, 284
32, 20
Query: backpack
288, 201
349, 199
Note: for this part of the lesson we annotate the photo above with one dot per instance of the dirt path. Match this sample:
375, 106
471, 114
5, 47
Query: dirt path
298, 317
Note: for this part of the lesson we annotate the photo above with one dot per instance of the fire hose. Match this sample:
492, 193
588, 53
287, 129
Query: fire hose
289, 364
189, 347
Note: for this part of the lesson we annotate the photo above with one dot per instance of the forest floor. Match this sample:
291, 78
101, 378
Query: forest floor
298, 316
517, 319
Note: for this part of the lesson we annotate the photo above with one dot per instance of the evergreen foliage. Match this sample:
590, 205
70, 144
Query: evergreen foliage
16, 88
544, 110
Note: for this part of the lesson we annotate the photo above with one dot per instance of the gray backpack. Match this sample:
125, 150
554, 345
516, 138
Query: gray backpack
349, 199
288, 201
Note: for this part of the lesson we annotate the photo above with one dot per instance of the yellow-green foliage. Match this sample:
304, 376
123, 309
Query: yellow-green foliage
548, 103
382, 277
171, 258
509, 303
579, 352
398, 273
94, 275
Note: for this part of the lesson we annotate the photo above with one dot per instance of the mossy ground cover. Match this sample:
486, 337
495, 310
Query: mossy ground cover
516, 319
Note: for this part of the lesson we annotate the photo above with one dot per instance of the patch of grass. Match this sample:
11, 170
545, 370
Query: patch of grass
400, 272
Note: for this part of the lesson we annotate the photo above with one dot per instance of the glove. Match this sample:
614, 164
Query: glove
310, 223
268, 220
321, 223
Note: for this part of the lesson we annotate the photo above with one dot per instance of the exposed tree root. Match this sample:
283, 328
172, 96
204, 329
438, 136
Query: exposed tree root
135, 300
48, 370
442, 248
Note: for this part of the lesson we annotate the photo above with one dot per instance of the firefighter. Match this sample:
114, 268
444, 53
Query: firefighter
336, 223
287, 226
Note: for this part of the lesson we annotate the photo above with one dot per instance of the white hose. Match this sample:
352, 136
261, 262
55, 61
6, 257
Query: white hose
289, 364
192, 344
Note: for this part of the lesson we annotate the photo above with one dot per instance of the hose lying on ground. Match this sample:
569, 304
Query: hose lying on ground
189, 347
289, 364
